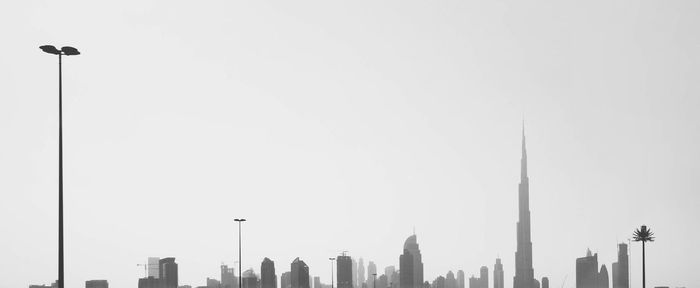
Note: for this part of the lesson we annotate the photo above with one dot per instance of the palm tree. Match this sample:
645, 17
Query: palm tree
644, 235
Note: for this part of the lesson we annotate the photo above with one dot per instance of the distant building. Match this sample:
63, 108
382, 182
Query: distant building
498, 274
185, 286
354, 275
228, 278
439, 282
53, 285
361, 273
482, 281
524, 273
300, 274
153, 267
268, 278
344, 269
213, 283
389, 272
149, 282
460, 279
317, 282
96, 284
620, 269
545, 282
168, 272
250, 280
587, 274
286, 280
381, 282
372, 269
450, 280
411, 264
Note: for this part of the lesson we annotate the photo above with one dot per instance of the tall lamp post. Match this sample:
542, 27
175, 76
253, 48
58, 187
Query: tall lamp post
374, 282
332, 276
240, 271
68, 51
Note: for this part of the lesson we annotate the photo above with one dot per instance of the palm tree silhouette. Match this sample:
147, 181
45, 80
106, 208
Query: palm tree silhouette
644, 235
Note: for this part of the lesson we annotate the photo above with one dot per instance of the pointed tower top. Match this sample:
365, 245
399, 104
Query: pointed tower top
523, 160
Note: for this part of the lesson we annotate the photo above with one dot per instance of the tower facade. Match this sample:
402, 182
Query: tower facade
498, 274
411, 273
524, 274
620, 269
268, 278
168, 272
300, 274
344, 270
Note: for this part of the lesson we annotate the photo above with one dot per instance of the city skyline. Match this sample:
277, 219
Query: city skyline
342, 126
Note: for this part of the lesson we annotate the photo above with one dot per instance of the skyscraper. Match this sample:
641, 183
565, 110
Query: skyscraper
389, 272
354, 274
411, 264
360, 272
545, 282
228, 278
168, 272
460, 279
268, 278
524, 274
372, 269
286, 280
96, 284
498, 274
587, 274
484, 276
450, 280
153, 267
250, 280
344, 269
620, 269
300, 274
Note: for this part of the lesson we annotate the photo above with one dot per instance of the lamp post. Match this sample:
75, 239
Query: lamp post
374, 282
332, 276
240, 271
68, 51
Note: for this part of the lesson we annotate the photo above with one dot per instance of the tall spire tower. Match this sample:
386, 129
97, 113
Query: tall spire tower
524, 274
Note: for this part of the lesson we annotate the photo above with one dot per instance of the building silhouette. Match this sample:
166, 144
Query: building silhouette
150, 282
587, 274
545, 282
411, 264
482, 281
96, 284
439, 282
498, 274
250, 280
168, 272
460, 279
300, 274
524, 273
620, 269
389, 272
354, 274
268, 278
372, 269
286, 280
450, 280
153, 267
361, 273
213, 283
344, 271
228, 278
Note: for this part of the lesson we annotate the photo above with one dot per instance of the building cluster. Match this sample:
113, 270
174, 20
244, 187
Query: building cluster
588, 275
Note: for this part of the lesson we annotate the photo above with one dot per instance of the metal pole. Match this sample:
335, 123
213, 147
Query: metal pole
60, 175
240, 276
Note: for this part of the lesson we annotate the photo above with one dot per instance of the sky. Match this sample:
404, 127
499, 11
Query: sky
345, 125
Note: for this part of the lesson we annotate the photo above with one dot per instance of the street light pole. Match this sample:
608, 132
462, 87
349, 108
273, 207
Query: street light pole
240, 271
374, 283
68, 51
332, 276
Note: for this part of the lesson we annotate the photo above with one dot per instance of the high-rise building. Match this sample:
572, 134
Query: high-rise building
484, 276
250, 280
168, 272
460, 279
300, 274
620, 269
228, 278
524, 273
96, 284
344, 269
450, 280
150, 282
354, 274
411, 273
286, 280
389, 272
587, 274
371, 269
268, 278
361, 272
439, 282
545, 282
153, 267
498, 274
213, 283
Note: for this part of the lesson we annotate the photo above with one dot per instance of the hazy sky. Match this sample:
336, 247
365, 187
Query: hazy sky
337, 126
